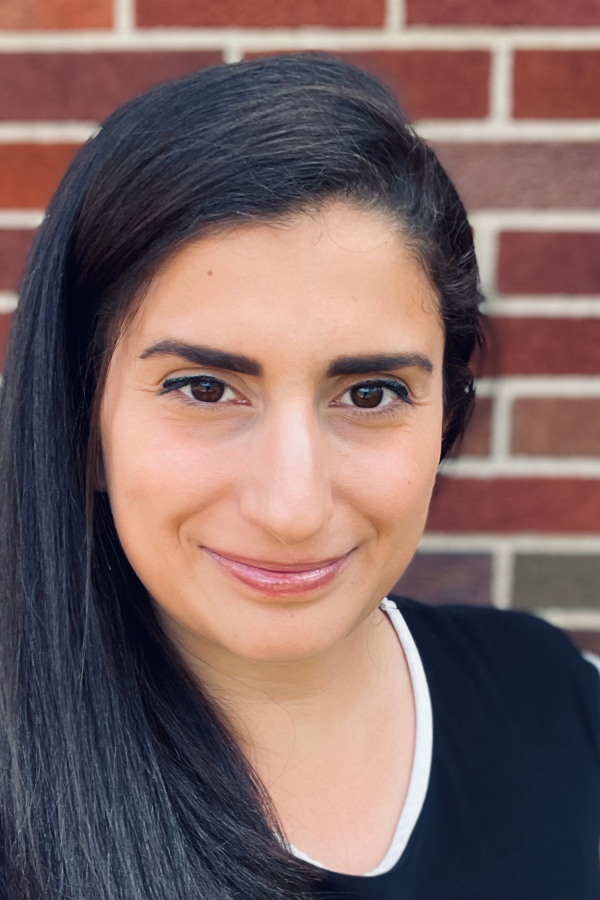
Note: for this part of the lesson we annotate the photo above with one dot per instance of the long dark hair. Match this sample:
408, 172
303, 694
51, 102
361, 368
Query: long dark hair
119, 777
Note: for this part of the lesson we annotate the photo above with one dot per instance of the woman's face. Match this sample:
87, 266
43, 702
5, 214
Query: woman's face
271, 429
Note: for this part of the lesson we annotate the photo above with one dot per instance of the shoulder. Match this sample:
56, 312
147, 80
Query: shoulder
514, 650
488, 629
516, 744
508, 679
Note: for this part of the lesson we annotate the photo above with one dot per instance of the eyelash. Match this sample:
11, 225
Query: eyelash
174, 384
397, 387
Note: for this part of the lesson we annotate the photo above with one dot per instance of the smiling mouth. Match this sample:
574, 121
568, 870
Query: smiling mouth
277, 579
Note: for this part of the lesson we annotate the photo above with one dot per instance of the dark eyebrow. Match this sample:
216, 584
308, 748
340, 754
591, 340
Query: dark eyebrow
363, 365
205, 356
244, 365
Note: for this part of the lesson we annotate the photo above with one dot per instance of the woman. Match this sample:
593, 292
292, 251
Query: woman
241, 349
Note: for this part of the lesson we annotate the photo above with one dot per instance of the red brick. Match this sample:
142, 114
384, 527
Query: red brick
432, 84
503, 12
259, 13
541, 346
14, 247
29, 173
5, 323
63, 86
524, 175
476, 440
556, 426
448, 578
586, 640
556, 84
505, 505
56, 14
549, 262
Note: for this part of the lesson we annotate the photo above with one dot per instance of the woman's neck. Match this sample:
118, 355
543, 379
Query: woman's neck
313, 728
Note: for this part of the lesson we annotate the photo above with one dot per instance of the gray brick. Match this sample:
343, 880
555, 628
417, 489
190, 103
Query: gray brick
546, 580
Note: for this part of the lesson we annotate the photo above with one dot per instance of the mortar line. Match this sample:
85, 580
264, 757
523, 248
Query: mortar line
501, 425
8, 302
572, 544
543, 307
501, 83
20, 218
46, 132
290, 38
395, 15
502, 575
521, 466
124, 17
540, 386
517, 131
486, 249
232, 52
571, 619
540, 220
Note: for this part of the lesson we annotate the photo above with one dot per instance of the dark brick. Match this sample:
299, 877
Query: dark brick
586, 640
556, 84
67, 86
556, 580
524, 175
29, 173
56, 14
503, 12
448, 578
260, 13
5, 323
476, 441
14, 247
549, 262
541, 346
505, 505
556, 426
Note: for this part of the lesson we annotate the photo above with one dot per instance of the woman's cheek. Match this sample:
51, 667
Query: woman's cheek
159, 475
393, 479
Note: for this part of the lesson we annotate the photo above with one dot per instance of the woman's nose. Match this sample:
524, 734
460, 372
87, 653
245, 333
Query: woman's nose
288, 491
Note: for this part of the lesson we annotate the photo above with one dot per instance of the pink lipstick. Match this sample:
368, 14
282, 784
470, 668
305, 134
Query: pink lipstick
276, 579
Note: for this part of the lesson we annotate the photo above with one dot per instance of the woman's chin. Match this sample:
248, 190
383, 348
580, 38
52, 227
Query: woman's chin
289, 633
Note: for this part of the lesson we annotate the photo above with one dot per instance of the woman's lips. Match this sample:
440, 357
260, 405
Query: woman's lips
281, 581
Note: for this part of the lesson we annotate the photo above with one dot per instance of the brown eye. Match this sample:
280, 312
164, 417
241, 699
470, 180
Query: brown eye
367, 396
376, 395
207, 390
203, 389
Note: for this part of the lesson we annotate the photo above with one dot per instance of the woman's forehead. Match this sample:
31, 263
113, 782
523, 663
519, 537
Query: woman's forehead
341, 280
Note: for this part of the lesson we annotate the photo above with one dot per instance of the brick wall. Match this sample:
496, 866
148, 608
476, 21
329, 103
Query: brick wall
507, 91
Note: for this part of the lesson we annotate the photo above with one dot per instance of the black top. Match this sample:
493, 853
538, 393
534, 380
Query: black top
512, 810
